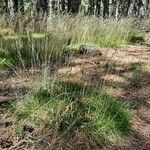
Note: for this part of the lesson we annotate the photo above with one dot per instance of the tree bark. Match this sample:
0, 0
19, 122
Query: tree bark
22, 6
6, 8
62, 5
106, 8
42, 6
147, 8
74, 6
124, 8
114, 6
98, 7
91, 7
15, 6
11, 9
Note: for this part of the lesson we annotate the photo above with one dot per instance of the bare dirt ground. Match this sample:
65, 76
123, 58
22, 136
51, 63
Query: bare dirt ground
115, 71
137, 95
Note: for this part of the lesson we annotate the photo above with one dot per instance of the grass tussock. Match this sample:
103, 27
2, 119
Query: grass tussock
26, 41
63, 107
135, 76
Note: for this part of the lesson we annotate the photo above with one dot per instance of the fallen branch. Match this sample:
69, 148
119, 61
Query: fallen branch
7, 98
15, 147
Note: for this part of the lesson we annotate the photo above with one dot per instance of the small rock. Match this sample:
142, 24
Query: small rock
89, 49
148, 102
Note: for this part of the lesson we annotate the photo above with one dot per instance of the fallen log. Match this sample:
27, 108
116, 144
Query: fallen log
89, 49
7, 98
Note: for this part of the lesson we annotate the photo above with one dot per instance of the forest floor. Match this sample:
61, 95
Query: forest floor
124, 73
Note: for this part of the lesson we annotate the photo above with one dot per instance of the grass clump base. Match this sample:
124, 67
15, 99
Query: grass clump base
64, 107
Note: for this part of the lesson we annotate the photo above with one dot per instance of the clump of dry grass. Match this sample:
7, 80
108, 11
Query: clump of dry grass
28, 41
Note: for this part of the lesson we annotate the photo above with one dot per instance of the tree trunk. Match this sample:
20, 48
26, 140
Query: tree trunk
114, 7
22, 6
74, 6
124, 8
147, 8
139, 5
53, 4
106, 8
6, 9
15, 5
91, 7
11, 9
128, 8
98, 7
68, 6
42, 6
62, 5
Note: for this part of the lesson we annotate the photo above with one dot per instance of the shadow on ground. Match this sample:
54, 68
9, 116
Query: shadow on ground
124, 75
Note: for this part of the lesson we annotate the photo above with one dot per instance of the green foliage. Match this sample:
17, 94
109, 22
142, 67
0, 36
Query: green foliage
4, 63
109, 119
136, 76
136, 36
32, 50
147, 63
64, 106
33, 47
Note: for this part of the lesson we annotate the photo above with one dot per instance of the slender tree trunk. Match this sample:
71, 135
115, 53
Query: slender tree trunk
98, 7
147, 4
124, 8
53, 4
15, 5
74, 6
139, 5
147, 8
62, 5
6, 9
128, 7
114, 6
117, 14
69, 6
11, 9
91, 7
22, 6
42, 6
106, 8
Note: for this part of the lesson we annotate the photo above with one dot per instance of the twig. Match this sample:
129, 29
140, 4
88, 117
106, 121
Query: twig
6, 98
15, 147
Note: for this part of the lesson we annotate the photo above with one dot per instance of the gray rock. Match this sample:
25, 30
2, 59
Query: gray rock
89, 49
